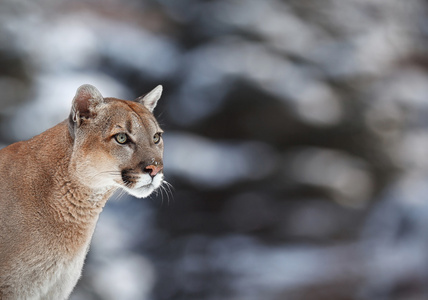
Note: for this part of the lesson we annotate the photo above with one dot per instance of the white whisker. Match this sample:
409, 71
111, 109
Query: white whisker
122, 193
168, 189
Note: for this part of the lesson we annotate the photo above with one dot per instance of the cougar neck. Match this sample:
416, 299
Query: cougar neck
71, 200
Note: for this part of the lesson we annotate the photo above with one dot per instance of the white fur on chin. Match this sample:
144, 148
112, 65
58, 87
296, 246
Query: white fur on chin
145, 185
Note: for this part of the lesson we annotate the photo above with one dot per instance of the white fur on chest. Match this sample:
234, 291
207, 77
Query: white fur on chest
57, 282
63, 280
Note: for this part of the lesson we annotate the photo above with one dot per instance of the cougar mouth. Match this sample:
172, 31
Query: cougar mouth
129, 179
140, 185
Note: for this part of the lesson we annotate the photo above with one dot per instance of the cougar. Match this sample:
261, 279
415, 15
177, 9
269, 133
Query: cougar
54, 186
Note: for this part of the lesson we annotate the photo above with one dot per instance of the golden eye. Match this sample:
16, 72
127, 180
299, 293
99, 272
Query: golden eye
157, 137
121, 138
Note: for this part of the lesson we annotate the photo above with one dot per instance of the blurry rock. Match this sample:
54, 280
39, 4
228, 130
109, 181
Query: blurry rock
14, 91
319, 220
214, 165
127, 276
347, 178
250, 213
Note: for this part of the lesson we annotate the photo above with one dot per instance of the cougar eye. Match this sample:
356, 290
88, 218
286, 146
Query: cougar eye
157, 137
121, 138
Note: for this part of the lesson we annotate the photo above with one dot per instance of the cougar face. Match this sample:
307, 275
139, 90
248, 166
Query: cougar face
117, 143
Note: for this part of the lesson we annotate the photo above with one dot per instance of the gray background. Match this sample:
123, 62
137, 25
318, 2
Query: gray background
296, 141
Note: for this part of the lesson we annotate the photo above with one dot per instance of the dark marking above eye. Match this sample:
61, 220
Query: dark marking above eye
129, 126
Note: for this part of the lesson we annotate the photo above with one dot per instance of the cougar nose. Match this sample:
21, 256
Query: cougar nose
153, 169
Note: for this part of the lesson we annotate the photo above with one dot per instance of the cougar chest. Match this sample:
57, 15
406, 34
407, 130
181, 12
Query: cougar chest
60, 276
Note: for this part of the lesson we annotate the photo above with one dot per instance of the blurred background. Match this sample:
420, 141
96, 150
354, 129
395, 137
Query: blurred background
296, 141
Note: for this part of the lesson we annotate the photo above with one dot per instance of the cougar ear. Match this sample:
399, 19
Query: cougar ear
86, 99
151, 99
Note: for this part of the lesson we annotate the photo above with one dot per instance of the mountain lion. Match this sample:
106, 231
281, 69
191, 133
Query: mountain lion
54, 186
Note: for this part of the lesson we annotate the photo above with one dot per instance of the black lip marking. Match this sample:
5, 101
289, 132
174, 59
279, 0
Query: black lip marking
127, 178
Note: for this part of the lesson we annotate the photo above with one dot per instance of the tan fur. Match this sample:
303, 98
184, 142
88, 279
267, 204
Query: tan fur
54, 186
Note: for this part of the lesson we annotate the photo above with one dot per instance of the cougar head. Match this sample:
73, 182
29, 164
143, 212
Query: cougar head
116, 143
